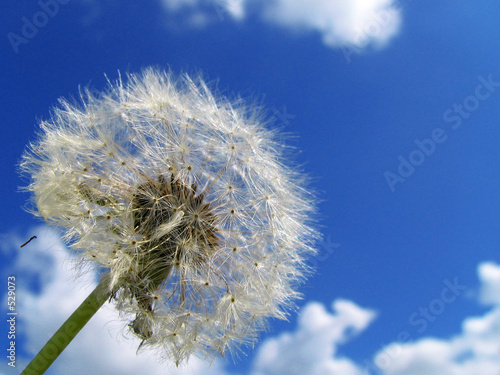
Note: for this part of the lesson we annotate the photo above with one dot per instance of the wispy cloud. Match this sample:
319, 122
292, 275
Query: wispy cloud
201, 13
341, 23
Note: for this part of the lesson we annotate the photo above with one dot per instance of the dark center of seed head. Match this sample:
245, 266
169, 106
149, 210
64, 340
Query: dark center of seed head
177, 227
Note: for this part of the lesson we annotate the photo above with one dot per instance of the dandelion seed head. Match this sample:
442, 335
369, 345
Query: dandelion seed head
186, 199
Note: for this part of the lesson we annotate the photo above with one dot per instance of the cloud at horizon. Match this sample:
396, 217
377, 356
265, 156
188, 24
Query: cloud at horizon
310, 347
103, 345
475, 350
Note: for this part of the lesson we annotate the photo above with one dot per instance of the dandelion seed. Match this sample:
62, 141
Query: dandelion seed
27, 242
186, 200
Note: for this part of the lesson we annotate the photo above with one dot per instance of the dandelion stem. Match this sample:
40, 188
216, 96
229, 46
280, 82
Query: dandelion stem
70, 328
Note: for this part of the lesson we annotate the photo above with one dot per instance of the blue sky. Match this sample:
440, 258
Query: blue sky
395, 107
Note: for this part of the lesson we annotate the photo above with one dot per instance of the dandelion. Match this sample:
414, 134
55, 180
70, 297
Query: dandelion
184, 200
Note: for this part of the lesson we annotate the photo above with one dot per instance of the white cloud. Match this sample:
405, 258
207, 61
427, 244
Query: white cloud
312, 348
489, 274
341, 23
476, 350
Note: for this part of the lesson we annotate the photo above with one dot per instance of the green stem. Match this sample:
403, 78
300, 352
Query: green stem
70, 328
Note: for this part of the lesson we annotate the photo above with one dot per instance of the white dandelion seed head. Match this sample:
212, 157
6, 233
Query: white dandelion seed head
186, 199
